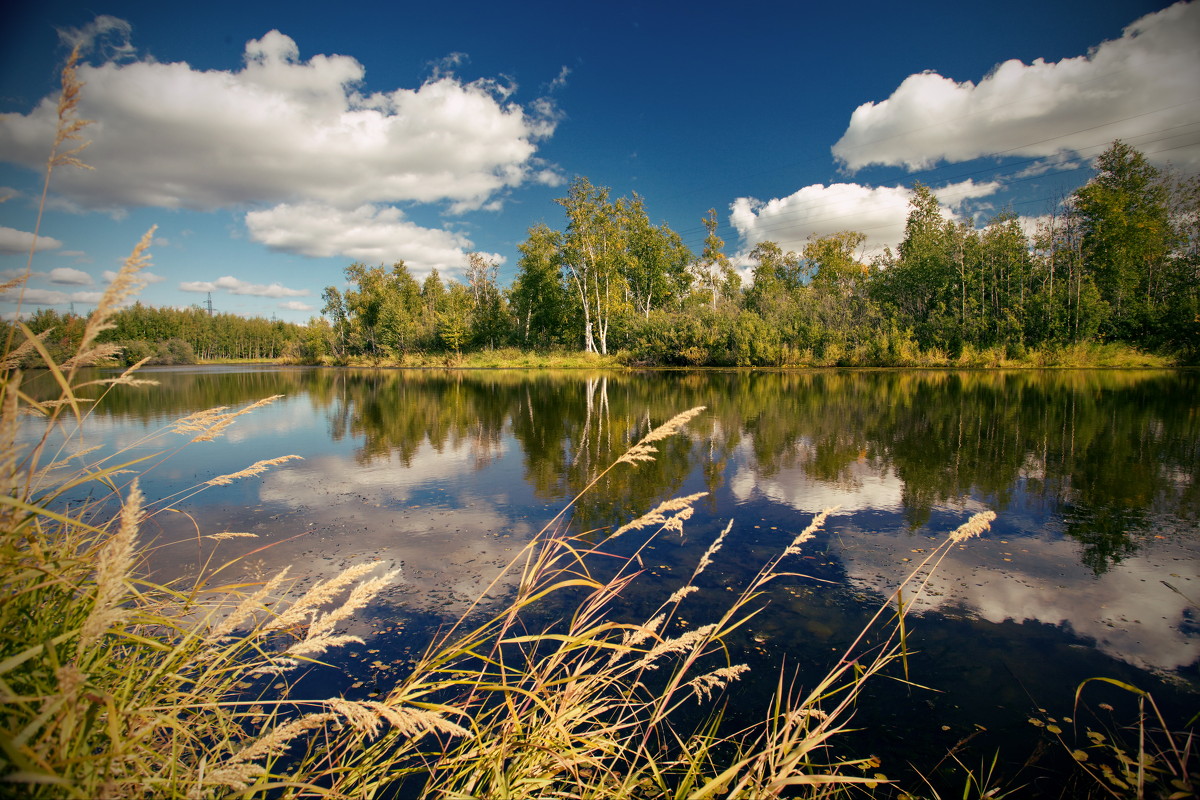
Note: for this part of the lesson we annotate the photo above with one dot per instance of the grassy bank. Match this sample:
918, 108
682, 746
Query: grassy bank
501, 358
1078, 356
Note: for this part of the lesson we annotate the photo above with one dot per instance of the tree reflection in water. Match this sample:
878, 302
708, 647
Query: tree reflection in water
1105, 451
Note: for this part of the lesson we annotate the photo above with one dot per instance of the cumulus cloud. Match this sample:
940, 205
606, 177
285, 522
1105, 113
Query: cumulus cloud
1140, 88
13, 241
818, 210
296, 305
148, 277
70, 277
282, 129
370, 234
49, 297
108, 35
228, 283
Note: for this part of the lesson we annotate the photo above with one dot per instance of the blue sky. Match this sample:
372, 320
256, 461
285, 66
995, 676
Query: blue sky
273, 144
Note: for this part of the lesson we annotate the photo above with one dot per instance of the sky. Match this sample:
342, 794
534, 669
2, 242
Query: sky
274, 144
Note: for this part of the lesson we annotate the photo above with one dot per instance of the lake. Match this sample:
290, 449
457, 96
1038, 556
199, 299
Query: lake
1091, 568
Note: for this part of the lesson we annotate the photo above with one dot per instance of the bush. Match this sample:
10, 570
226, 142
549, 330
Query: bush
172, 351
135, 351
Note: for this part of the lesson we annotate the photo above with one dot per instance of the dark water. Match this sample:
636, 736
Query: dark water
1090, 570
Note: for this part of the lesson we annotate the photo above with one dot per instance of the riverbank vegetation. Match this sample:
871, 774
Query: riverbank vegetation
167, 336
1111, 274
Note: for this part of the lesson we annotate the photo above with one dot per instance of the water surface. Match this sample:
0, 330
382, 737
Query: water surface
1090, 569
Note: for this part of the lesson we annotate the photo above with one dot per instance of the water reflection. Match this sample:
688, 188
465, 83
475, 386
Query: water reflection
1093, 474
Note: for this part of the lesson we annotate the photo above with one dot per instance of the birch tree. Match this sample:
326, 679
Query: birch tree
656, 263
538, 298
713, 270
592, 251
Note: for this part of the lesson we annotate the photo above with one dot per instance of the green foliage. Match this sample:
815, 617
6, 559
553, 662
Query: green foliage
703, 338
167, 335
1117, 262
172, 351
656, 267
454, 317
592, 254
716, 282
210, 337
1127, 236
538, 297
490, 320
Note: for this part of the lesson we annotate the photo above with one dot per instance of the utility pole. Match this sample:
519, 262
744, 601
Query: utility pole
208, 304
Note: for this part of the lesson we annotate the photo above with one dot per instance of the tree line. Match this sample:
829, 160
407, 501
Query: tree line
1117, 261
170, 335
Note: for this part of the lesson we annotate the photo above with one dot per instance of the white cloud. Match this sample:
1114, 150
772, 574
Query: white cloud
1127, 611
13, 241
956, 195
560, 81
149, 277
49, 297
233, 285
296, 305
70, 277
1057, 163
281, 129
106, 34
369, 234
1140, 88
818, 210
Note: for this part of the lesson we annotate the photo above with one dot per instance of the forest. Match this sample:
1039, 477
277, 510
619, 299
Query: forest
1118, 261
